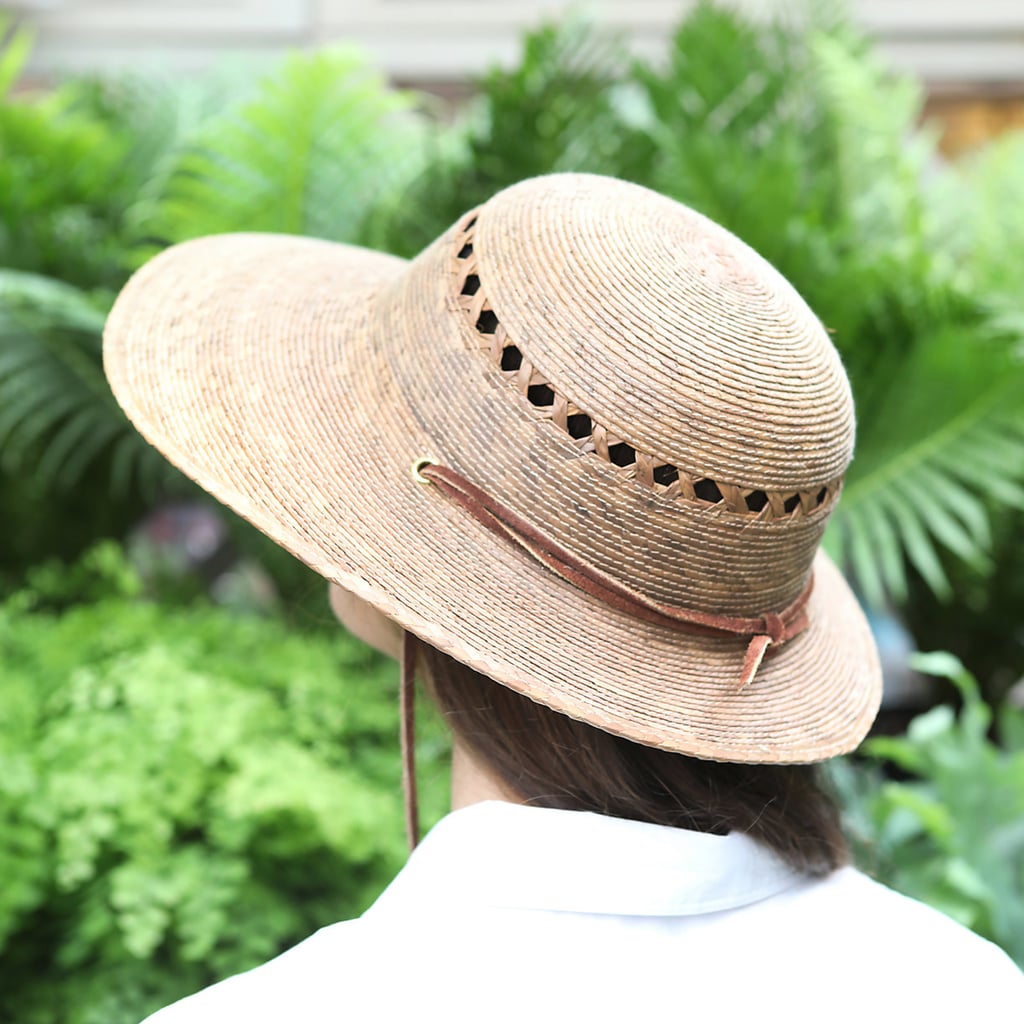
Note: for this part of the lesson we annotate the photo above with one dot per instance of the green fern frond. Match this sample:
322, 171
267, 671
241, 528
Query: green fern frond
556, 111
41, 301
810, 150
61, 197
156, 118
740, 132
319, 141
885, 165
561, 108
947, 444
57, 414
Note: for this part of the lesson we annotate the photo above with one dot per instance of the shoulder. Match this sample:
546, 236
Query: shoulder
865, 902
892, 958
906, 945
307, 983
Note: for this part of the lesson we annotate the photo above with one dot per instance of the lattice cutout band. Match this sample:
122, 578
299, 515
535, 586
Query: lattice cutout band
590, 437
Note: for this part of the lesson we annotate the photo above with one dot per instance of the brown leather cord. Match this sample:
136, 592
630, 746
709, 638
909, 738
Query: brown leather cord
767, 632
407, 712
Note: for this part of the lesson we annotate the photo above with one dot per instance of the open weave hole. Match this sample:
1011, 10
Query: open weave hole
591, 438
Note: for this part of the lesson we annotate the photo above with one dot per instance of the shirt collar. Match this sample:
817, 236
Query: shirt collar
496, 854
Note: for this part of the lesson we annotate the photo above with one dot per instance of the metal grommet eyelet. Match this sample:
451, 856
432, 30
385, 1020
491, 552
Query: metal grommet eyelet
419, 465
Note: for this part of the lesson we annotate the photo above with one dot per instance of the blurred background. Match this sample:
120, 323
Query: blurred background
197, 768
969, 56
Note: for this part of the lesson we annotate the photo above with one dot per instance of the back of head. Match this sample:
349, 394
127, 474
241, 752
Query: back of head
547, 759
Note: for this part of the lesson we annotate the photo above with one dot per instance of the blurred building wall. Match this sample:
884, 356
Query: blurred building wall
969, 52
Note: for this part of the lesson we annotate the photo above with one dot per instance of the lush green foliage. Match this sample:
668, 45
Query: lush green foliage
183, 793
811, 152
97, 175
562, 108
953, 833
68, 182
61, 172
310, 151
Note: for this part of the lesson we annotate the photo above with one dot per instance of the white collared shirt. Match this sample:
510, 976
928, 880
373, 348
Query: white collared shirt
512, 913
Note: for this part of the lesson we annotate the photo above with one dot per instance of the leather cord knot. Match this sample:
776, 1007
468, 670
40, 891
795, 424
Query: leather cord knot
774, 628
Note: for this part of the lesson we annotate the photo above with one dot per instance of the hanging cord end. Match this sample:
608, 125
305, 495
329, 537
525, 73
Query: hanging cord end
407, 713
774, 634
756, 650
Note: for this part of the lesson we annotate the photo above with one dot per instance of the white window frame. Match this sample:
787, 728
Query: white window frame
180, 19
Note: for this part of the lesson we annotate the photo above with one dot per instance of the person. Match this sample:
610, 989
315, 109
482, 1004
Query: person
572, 464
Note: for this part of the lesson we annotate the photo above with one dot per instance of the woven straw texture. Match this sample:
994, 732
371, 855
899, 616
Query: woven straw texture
617, 370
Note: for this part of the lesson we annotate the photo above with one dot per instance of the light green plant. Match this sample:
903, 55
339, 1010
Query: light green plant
952, 833
15, 49
992, 201
68, 180
562, 107
938, 376
99, 173
52, 387
183, 793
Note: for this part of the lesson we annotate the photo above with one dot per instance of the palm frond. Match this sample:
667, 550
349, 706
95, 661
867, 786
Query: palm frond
38, 301
740, 132
57, 414
947, 444
745, 121
317, 143
60, 190
156, 118
905, 209
937, 374
15, 46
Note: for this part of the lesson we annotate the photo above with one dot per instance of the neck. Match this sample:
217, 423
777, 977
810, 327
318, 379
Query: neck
472, 783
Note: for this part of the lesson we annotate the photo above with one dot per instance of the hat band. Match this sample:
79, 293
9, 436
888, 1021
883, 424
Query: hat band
767, 632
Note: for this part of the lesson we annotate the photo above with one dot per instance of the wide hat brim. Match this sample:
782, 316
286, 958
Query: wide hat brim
250, 362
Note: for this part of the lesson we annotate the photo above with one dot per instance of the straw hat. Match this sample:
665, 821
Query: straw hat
614, 373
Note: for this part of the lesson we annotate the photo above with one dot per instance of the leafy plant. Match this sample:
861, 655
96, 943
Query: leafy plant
563, 107
808, 149
100, 173
315, 146
71, 467
941, 435
992, 201
52, 386
952, 834
984, 624
16, 48
183, 793
739, 132
60, 181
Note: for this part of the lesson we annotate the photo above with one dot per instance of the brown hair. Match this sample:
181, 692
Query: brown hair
551, 760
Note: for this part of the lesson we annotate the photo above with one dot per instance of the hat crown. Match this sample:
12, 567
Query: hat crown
633, 381
667, 330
